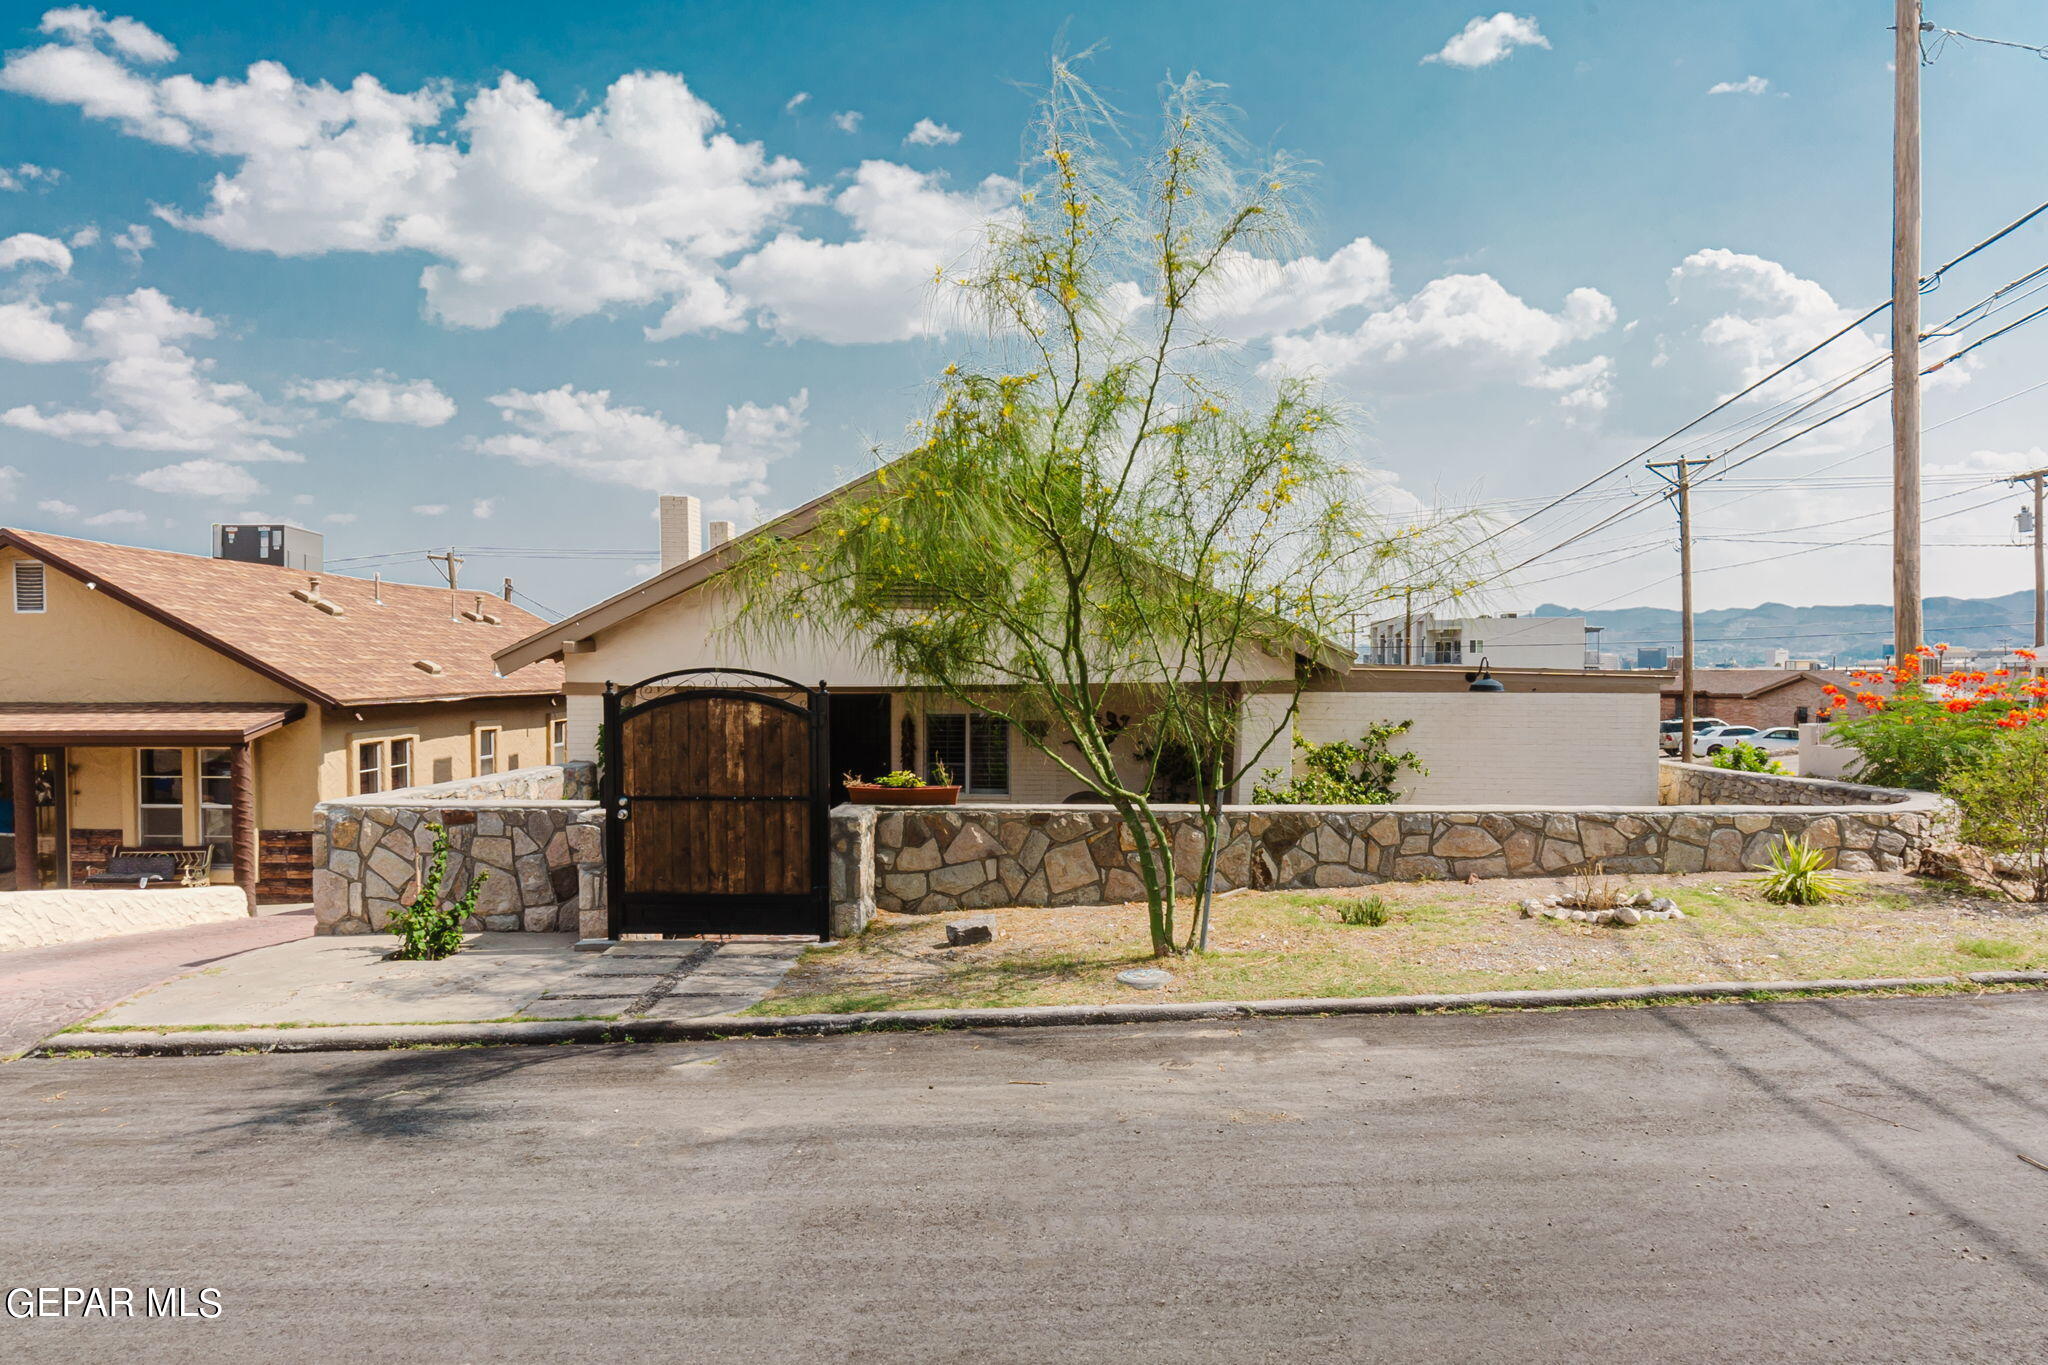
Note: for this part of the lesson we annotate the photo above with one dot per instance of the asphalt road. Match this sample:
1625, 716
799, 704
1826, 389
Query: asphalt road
1810, 1181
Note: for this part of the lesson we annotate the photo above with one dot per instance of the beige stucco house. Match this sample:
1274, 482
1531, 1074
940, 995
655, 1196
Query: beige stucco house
167, 700
1565, 736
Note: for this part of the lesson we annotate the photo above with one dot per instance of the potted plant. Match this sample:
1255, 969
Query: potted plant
904, 788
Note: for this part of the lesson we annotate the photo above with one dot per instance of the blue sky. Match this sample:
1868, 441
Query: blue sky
531, 274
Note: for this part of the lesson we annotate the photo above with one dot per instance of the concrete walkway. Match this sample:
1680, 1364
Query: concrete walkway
349, 981
45, 989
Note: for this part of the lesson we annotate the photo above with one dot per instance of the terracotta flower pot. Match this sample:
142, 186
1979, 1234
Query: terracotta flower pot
870, 794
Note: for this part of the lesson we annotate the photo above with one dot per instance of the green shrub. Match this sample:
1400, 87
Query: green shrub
1744, 757
1370, 912
901, 778
1343, 773
429, 929
1799, 874
2003, 795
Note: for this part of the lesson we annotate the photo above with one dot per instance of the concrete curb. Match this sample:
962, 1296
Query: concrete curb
212, 1042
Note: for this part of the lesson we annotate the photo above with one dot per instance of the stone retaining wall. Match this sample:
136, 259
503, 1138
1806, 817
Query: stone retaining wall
369, 851
1697, 784
936, 861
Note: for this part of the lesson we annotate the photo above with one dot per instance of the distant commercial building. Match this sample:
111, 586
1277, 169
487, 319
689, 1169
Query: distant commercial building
1653, 658
1504, 641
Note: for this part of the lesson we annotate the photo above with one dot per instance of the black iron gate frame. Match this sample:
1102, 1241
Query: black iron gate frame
686, 913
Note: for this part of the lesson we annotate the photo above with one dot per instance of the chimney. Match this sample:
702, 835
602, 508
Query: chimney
682, 529
717, 534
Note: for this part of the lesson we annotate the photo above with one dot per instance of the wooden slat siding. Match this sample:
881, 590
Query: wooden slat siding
90, 849
284, 866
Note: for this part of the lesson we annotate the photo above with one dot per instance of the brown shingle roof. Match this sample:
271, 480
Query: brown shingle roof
145, 722
364, 655
1754, 682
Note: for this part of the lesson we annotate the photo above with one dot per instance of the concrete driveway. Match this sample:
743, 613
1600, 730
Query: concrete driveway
1806, 1181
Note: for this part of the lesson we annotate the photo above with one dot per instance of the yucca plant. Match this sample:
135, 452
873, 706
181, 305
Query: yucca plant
1799, 874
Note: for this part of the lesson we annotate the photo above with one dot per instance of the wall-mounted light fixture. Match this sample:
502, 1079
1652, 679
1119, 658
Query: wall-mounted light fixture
1483, 680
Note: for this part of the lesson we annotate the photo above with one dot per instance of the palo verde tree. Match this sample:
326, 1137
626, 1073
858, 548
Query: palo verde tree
1107, 531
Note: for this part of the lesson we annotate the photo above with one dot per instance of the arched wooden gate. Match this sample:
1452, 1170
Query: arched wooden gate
716, 789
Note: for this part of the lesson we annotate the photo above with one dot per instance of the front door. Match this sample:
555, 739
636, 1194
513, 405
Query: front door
860, 738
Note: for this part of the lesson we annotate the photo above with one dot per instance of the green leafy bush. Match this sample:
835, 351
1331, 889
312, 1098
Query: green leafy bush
429, 929
1799, 874
899, 779
1343, 773
1370, 912
1744, 757
2003, 794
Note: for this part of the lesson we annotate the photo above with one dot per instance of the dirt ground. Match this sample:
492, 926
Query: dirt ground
1438, 937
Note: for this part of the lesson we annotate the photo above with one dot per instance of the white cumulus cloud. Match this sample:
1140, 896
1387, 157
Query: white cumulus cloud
583, 432
201, 479
927, 133
1748, 85
10, 483
26, 174
155, 395
129, 37
847, 120
31, 333
418, 403
878, 285
1484, 41
29, 248
1458, 331
1251, 296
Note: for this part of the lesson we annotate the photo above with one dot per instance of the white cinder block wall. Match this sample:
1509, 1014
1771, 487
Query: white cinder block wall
1548, 748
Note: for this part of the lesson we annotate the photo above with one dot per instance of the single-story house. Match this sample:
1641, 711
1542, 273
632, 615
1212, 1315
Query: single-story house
1764, 697
161, 700
1554, 735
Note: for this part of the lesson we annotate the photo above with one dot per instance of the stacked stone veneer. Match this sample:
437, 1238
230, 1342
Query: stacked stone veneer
936, 861
534, 830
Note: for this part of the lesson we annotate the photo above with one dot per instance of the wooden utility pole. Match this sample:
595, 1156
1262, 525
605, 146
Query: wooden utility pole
2040, 568
1678, 473
1906, 619
450, 563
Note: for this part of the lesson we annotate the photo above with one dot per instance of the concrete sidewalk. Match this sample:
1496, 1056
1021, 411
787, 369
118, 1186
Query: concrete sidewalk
349, 982
45, 989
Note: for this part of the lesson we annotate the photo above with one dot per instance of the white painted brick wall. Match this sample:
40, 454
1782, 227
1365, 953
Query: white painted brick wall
1550, 748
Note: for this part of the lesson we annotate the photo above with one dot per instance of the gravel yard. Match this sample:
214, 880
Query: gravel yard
1438, 937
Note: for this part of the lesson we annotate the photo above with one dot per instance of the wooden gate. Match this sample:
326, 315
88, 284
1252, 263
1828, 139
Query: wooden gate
716, 791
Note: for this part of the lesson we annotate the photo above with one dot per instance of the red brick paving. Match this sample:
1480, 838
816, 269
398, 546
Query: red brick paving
45, 989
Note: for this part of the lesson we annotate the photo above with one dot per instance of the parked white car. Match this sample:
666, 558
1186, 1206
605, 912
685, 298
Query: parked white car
1711, 742
1783, 740
1667, 733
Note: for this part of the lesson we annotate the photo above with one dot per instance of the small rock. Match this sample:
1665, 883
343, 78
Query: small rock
1145, 978
962, 932
1629, 914
1674, 913
1663, 903
1643, 900
1553, 900
1582, 915
1531, 907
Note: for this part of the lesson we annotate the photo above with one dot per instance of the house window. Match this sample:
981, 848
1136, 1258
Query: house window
974, 749
216, 804
160, 814
400, 769
486, 750
558, 739
29, 590
370, 767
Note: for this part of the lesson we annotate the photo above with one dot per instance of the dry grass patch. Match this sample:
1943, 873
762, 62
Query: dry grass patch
1436, 937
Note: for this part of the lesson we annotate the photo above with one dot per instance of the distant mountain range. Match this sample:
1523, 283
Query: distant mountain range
1745, 636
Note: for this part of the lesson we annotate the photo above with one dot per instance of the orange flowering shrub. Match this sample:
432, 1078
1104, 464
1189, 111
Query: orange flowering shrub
1927, 724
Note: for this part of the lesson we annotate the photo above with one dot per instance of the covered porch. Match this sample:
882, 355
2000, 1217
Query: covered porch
157, 774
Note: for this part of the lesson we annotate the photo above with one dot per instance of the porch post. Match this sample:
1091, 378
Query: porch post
21, 759
242, 817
